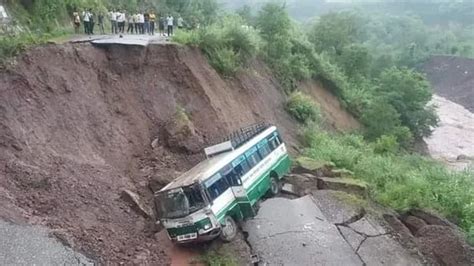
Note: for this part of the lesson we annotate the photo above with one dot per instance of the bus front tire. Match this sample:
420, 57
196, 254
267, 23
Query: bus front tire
229, 229
274, 186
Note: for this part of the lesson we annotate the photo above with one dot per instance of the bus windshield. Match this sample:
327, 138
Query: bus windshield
180, 202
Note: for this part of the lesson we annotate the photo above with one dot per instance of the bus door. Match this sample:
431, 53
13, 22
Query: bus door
233, 176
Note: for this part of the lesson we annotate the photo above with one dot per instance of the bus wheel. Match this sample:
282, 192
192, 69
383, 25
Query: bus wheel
229, 229
274, 186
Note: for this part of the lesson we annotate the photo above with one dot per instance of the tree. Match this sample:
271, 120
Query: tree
334, 31
273, 21
409, 93
355, 60
246, 13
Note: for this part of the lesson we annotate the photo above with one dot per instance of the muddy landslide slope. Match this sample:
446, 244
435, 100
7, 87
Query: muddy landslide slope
76, 127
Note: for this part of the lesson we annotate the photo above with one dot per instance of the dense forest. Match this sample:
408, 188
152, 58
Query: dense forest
366, 56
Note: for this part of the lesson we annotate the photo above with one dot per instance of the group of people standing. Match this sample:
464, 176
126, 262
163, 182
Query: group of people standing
88, 20
138, 23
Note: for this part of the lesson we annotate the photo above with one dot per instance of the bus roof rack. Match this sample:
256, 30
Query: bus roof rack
236, 139
244, 134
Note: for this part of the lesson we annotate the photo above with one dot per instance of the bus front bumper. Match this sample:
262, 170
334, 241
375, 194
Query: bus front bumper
197, 237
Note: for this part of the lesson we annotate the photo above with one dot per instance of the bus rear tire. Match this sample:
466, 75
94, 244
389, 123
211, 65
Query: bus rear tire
229, 229
274, 186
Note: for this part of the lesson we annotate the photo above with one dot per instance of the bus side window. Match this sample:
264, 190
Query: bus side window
274, 141
253, 157
219, 187
231, 175
264, 148
241, 166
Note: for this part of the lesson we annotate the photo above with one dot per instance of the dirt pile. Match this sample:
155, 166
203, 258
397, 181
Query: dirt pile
76, 127
439, 240
452, 78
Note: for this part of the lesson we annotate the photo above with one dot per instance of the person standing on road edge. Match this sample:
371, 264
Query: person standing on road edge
135, 20
169, 22
100, 22
141, 23
152, 22
146, 16
86, 18
131, 23
121, 21
91, 22
77, 21
113, 21
161, 25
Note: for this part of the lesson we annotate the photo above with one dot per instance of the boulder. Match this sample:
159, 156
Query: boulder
181, 135
289, 189
306, 165
137, 204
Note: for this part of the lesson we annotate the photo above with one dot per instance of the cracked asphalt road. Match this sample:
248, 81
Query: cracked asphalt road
297, 232
31, 245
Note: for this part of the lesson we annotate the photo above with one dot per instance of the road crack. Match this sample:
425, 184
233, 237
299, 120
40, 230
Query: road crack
353, 218
284, 233
356, 251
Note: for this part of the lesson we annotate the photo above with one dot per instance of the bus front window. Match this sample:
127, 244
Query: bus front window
172, 204
195, 198
179, 203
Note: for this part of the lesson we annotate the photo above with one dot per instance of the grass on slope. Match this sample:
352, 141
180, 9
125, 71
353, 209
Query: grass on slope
398, 180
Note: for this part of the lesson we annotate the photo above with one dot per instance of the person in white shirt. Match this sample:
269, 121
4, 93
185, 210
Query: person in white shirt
121, 21
141, 23
113, 21
86, 18
170, 22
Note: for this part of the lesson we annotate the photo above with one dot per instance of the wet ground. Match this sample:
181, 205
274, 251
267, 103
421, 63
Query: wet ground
300, 232
32, 245
453, 140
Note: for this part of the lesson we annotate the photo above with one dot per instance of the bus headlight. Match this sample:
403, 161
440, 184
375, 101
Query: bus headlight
207, 226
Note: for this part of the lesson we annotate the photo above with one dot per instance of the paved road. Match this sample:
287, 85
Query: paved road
31, 245
138, 40
297, 232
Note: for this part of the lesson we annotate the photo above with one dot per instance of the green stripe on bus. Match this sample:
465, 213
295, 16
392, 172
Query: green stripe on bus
281, 167
256, 191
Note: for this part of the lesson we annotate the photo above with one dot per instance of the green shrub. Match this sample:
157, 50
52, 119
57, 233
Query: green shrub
12, 45
186, 37
228, 43
302, 108
386, 144
225, 61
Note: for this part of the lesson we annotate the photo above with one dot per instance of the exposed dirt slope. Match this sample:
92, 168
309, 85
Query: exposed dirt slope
336, 117
76, 127
452, 78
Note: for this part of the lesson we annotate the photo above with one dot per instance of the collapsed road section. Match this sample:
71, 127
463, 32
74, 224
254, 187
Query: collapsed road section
297, 232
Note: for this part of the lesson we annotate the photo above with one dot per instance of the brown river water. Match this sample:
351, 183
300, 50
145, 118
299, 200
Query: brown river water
453, 140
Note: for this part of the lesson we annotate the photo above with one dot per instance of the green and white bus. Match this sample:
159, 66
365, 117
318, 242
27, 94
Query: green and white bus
206, 201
